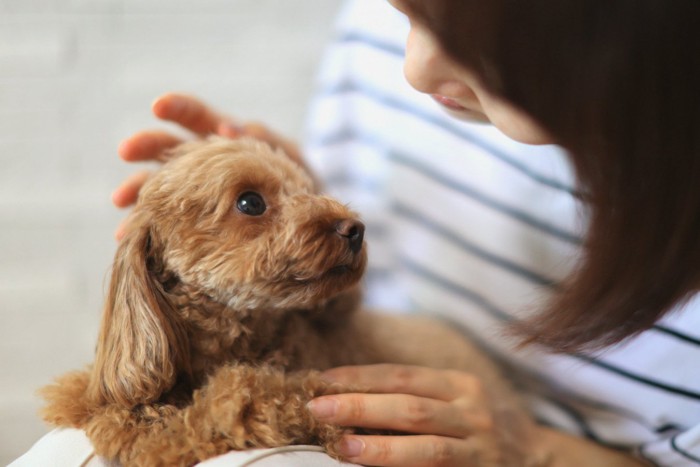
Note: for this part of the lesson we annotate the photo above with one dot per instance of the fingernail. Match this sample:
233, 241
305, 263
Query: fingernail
323, 407
351, 447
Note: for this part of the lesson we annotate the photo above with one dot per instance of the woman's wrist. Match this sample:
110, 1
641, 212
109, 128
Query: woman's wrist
557, 449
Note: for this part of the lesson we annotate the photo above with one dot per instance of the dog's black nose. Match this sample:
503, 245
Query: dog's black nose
353, 230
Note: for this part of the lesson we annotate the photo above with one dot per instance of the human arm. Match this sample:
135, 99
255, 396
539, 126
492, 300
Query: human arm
451, 421
572, 451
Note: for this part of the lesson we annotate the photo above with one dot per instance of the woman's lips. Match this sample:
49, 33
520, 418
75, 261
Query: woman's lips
458, 111
447, 102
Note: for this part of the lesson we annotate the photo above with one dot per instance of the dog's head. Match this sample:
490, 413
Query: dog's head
236, 221
242, 223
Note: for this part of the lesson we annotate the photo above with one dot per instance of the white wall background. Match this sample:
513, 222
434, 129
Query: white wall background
76, 76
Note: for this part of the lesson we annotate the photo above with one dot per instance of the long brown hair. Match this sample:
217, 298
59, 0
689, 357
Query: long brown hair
616, 83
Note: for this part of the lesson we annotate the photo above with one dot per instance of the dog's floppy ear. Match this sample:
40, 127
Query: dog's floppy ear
142, 347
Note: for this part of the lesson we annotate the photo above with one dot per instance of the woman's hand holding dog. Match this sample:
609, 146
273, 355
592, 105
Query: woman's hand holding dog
450, 420
447, 415
192, 115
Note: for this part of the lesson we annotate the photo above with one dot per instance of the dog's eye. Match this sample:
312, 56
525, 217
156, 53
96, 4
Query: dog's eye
251, 203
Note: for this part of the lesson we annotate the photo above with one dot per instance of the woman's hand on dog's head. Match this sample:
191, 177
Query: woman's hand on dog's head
186, 111
195, 116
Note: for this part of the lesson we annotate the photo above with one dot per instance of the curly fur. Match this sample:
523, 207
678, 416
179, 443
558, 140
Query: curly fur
216, 322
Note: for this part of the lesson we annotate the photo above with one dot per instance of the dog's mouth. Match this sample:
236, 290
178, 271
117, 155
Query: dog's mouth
344, 271
339, 270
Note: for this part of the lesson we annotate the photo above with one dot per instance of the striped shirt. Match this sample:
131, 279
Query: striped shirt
464, 223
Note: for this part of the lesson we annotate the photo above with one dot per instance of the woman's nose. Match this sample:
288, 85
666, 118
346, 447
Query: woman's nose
426, 66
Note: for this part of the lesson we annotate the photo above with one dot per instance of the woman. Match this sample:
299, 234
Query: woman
484, 231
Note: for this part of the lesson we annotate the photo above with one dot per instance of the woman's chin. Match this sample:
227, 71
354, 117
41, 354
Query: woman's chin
469, 116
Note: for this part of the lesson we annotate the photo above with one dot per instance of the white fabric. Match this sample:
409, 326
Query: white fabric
65, 447
71, 448
292, 456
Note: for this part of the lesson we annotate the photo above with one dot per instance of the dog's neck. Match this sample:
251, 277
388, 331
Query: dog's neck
219, 334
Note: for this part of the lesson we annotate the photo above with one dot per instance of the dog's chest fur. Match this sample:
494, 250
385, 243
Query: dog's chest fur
219, 335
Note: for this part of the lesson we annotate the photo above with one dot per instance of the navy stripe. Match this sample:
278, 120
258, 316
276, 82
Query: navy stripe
461, 132
532, 276
606, 407
591, 404
677, 334
374, 42
470, 192
683, 452
668, 428
586, 429
458, 289
575, 417
637, 378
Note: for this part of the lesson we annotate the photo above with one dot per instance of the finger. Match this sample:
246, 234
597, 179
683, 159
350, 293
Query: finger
187, 112
121, 230
399, 412
127, 193
147, 145
253, 129
407, 451
445, 385
260, 131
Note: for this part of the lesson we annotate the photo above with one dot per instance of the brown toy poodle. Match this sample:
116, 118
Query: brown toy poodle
235, 284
